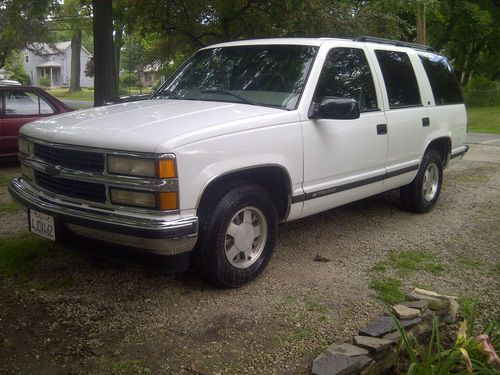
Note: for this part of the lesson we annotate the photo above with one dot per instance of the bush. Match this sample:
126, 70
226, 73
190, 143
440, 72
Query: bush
128, 79
44, 82
482, 92
23, 78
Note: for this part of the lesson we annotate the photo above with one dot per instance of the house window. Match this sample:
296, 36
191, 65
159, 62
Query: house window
27, 58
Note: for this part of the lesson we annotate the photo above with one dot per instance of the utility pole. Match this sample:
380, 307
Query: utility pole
421, 23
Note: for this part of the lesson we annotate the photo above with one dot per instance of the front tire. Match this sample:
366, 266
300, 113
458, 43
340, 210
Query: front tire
422, 193
238, 236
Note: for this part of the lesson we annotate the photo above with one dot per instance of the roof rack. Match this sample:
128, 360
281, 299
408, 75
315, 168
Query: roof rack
398, 43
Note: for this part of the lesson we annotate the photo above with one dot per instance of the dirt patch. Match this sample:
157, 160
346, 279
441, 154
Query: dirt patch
105, 318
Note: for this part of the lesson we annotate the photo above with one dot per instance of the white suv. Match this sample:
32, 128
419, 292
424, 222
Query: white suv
245, 135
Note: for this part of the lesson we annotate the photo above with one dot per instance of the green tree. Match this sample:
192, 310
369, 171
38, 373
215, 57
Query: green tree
72, 21
22, 22
468, 32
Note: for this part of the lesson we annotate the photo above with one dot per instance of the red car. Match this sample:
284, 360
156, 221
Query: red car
20, 105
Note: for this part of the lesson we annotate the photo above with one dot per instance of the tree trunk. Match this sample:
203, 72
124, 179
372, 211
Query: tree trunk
76, 47
118, 46
105, 87
421, 23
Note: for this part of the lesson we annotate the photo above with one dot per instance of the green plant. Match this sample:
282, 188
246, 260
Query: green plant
128, 79
44, 81
19, 254
467, 355
8, 208
388, 289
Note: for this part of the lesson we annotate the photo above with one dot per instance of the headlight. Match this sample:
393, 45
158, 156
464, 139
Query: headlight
132, 166
129, 166
133, 198
24, 146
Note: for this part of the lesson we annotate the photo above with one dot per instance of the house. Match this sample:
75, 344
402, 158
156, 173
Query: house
54, 61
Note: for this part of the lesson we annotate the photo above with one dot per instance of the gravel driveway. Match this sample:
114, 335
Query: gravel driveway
70, 314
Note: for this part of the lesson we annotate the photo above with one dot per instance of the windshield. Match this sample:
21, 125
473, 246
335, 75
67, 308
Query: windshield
270, 75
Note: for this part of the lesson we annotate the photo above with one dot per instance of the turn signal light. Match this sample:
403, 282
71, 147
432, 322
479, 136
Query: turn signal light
168, 200
166, 168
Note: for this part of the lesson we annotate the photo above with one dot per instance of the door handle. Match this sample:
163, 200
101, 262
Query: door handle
381, 129
426, 122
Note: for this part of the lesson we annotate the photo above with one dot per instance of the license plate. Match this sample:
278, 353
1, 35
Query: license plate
42, 225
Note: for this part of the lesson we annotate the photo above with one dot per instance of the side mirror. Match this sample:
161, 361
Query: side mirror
334, 108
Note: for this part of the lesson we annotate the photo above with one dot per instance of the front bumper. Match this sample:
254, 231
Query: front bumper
152, 235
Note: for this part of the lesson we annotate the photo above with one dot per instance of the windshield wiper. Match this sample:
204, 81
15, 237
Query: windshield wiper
222, 91
168, 94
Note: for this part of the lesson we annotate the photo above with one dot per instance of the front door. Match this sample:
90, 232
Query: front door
344, 160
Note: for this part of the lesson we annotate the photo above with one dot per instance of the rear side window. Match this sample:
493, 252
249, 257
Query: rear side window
346, 74
444, 84
399, 77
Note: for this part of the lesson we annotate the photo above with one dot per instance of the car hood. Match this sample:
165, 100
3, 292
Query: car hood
149, 126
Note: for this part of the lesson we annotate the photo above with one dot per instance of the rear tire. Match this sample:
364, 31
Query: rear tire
237, 236
422, 193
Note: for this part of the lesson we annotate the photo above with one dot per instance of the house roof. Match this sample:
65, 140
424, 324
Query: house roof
51, 48
49, 64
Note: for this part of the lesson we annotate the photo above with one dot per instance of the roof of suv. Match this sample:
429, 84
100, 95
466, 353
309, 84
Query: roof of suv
319, 41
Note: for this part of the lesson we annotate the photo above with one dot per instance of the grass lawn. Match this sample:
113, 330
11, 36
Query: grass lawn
88, 93
484, 119
64, 93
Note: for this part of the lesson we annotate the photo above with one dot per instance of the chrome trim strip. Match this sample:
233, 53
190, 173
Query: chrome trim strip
352, 185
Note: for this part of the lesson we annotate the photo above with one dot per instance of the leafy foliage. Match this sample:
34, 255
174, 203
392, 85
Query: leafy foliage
467, 355
23, 22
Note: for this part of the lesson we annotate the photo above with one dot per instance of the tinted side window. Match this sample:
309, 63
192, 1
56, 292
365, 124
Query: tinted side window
400, 80
444, 84
25, 103
346, 74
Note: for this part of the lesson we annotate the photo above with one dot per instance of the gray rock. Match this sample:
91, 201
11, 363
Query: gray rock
385, 324
405, 312
393, 336
347, 349
328, 363
421, 305
373, 344
434, 302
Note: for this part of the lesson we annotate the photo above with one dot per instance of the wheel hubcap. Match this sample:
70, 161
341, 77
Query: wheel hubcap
246, 237
430, 182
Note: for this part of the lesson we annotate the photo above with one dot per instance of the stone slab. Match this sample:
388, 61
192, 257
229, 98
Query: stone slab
434, 302
373, 344
385, 324
347, 349
405, 312
393, 336
328, 363
421, 305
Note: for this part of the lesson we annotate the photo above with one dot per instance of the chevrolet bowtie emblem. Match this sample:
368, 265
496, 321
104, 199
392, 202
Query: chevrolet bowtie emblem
53, 171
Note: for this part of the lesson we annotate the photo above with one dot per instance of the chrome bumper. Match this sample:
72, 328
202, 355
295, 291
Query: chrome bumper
158, 236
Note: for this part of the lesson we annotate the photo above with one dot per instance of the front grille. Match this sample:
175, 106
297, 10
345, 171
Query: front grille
75, 189
80, 160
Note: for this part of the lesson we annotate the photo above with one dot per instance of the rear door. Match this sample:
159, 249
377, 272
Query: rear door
20, 107
407, 117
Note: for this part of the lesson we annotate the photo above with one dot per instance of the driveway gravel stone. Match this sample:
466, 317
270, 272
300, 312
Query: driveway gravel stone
72, 314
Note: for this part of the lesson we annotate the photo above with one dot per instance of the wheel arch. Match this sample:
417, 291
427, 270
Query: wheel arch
443, 146
274, 178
